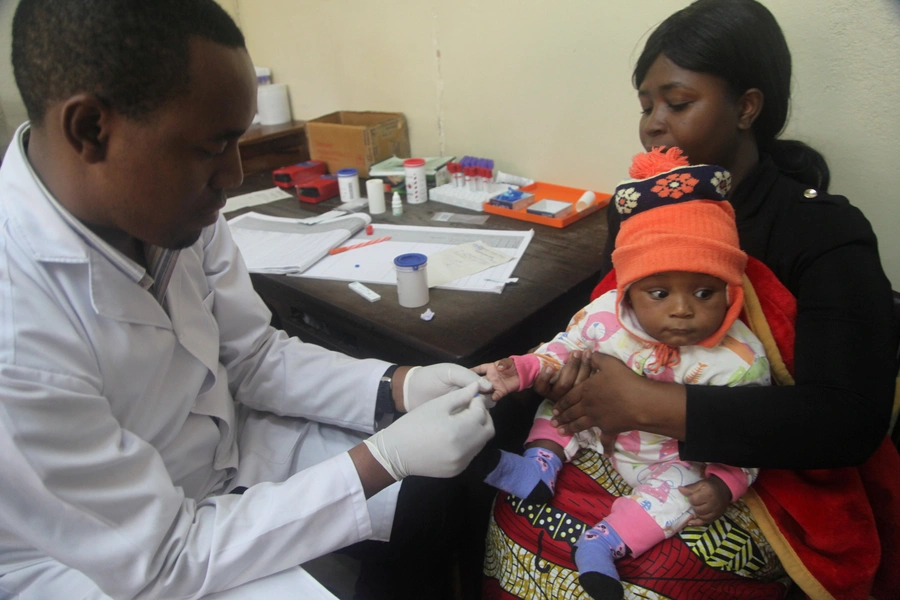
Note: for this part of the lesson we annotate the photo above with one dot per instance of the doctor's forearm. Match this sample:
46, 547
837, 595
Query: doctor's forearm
372, 475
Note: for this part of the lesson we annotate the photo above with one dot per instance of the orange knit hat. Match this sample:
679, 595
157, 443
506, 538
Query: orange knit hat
675, 218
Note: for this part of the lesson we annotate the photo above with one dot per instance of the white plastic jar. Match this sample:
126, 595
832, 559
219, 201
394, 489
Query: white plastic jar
348, 184
412, 279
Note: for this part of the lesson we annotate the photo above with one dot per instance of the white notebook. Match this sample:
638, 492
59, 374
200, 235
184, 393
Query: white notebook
280, 245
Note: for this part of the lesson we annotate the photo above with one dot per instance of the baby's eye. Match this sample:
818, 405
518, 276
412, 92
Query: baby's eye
658, 294
703, 294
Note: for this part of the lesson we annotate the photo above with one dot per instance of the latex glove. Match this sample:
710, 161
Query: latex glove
437, 440
427, 383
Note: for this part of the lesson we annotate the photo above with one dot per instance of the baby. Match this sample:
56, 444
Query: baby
673, 317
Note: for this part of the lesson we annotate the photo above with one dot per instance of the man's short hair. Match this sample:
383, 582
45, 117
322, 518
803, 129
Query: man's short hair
133, 54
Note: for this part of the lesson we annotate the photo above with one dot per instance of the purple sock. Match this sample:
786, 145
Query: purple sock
595, 556
531, 476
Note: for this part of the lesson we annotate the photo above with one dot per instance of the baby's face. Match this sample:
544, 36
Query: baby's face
679, 308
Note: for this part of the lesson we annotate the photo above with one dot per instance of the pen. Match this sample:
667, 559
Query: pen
360, 245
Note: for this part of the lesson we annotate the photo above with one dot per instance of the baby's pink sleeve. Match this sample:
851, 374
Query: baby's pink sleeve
528, 367
737, 479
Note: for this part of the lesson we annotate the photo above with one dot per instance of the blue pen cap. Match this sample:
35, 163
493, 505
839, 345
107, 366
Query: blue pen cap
347, 173
412, 261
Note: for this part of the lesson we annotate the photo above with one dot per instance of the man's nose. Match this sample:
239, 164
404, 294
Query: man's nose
229, 171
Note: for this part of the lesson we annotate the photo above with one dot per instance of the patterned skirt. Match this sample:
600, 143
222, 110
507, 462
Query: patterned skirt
530, 547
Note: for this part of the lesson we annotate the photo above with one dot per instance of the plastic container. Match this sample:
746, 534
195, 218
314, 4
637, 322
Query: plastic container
412, 279
397, 204
272, 104
416, 184
348, 183
549, 191
375, 194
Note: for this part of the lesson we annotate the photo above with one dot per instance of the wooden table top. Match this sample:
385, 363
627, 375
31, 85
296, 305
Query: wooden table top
555, 276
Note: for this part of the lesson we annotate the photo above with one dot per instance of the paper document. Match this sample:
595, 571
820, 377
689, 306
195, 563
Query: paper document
288, 246
254, 198
375, 263
460, 261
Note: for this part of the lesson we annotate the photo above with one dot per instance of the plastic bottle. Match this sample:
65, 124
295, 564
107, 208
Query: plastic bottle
348, 182
397, 204
416, 183
412, 280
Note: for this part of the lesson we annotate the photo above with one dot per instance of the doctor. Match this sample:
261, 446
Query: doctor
141, 386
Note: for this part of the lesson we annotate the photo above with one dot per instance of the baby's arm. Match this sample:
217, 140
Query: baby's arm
519, 372
502, 374
711, 496
511, 374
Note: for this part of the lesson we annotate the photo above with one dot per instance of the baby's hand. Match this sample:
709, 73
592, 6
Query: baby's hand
503, 376
709, 498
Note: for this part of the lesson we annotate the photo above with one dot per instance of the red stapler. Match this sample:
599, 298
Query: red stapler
317, 189
288, 177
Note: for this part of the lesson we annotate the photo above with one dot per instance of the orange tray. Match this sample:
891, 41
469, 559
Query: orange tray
549, 191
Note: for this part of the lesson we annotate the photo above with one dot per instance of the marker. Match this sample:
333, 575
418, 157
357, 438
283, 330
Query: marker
360, 245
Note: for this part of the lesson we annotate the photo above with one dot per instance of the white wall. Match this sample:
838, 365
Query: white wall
12, 111
544, 87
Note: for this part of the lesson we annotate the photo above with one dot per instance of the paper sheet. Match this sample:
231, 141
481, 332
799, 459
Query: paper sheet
255, 198
375, 263
460, 261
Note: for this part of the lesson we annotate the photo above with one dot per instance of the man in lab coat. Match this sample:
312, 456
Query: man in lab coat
141, 385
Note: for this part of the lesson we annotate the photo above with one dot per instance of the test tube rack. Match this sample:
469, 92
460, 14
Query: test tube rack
464, 198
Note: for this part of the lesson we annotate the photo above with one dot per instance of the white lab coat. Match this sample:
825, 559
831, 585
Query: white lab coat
118, 428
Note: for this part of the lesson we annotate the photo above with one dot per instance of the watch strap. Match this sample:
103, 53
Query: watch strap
384, 400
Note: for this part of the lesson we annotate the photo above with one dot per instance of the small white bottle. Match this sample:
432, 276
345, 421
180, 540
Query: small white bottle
396, 205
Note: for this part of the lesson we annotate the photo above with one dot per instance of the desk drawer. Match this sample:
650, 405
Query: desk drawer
315, 331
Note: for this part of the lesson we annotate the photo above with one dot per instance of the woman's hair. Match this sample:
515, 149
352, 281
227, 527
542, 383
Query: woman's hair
740, 42
134, 54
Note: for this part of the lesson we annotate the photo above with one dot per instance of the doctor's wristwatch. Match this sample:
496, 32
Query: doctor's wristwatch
384, 401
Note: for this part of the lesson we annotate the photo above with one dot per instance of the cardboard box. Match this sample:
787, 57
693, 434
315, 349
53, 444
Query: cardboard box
357, 140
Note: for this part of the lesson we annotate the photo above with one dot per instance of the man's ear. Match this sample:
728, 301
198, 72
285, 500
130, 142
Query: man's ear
85, 125
750, 104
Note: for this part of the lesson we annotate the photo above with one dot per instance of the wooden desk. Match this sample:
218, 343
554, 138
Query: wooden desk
556, 275
267, 147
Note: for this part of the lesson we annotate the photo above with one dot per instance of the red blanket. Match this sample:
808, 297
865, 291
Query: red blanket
836, 531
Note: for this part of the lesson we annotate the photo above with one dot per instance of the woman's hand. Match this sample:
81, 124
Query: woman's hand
616, 399
575, 370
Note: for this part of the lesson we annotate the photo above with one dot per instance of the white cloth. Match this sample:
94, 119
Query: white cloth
118, 427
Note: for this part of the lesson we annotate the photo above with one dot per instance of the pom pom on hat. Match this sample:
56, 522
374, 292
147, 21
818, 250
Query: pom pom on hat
658, 160
676, 218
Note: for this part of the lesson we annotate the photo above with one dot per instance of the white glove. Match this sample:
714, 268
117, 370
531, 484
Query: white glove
437, 440
426, 383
